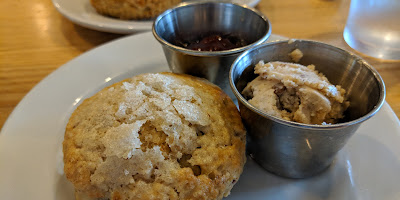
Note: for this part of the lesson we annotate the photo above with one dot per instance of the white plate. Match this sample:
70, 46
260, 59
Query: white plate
30, 141
82, 13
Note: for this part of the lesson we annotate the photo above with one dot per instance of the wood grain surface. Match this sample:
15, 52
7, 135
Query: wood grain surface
35, 40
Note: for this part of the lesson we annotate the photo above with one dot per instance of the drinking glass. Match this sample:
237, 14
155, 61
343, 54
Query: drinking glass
373, 28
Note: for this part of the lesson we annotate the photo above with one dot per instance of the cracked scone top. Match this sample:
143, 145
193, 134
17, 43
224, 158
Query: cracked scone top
155, 136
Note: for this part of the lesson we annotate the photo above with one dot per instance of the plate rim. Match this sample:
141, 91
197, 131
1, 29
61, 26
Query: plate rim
117, 27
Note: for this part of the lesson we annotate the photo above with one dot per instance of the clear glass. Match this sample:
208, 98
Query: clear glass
373, 28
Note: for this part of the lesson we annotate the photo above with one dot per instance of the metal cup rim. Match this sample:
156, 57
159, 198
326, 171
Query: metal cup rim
208, 53
243, 100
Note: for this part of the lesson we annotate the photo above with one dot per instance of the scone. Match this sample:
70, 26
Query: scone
155, 136
133, 9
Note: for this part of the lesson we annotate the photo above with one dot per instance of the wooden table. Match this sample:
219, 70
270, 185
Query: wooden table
35, 40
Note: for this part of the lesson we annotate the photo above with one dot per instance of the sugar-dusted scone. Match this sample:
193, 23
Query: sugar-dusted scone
155, 136
133, 9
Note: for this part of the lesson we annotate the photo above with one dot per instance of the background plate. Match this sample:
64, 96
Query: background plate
82, 13
30, 142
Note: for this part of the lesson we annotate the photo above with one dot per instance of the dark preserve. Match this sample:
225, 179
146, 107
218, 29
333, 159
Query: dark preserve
213, 42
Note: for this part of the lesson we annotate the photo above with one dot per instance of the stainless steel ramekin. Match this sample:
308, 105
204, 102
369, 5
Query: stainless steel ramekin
297, 150
189, 20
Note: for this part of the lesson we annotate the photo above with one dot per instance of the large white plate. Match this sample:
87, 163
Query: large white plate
82, 13
30, 141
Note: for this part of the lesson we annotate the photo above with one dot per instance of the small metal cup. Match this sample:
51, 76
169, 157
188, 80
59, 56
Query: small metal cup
298, 150
190, 20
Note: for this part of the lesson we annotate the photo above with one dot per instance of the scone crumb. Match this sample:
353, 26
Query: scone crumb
296, 55
291, 41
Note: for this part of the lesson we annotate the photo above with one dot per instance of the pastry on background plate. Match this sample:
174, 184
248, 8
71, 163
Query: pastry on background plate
155, 136
132, 9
